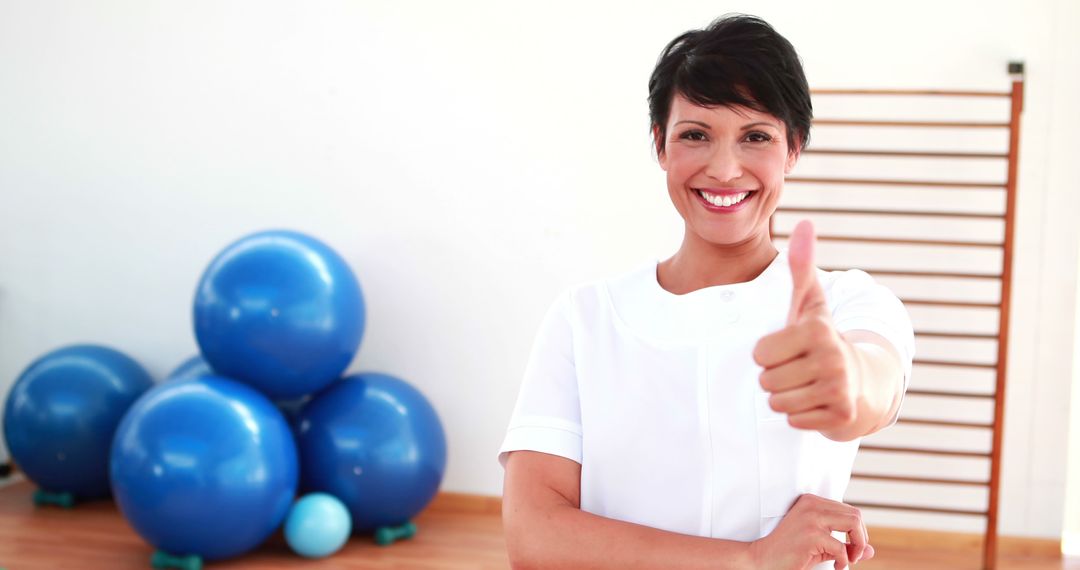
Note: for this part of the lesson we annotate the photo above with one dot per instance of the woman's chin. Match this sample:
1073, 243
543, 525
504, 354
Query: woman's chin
730, 237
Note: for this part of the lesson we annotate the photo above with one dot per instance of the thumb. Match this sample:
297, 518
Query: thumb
807, 296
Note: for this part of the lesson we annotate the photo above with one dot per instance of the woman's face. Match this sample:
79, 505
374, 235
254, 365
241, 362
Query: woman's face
715, 155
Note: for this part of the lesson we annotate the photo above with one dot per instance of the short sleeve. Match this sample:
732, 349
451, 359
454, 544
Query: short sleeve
860, 303
547, 417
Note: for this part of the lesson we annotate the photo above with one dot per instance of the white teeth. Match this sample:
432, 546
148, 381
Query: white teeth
725, 201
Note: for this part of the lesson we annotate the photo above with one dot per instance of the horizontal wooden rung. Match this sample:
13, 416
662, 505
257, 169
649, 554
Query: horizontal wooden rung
887, 182
858, 239
956, 304
905, 153
955, 364
910, 213
923, 451
929, 480
920, 509
968, 336
929, 124
919, 92
945, 423
931, 274
947, 394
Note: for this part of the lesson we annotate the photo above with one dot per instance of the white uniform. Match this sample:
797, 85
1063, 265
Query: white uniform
658, 397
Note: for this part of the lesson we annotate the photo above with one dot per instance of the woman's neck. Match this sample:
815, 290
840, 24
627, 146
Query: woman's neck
699, 264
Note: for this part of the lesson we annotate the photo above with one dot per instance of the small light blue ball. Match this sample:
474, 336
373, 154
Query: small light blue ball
318, 525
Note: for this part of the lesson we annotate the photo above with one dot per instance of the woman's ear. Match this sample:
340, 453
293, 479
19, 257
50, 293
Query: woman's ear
658, 145
792, 159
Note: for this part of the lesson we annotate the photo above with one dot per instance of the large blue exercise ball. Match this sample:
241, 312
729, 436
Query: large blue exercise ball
62, 412
374, 442
204, 466
191, 368
281, 311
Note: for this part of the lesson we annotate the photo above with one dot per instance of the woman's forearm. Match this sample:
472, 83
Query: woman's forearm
882, 380
562, 536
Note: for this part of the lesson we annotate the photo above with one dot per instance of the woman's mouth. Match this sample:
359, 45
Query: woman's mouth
724, 202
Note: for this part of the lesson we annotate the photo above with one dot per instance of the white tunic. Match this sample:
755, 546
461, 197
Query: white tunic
657, 396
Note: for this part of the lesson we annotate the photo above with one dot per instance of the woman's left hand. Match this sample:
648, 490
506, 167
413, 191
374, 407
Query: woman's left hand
810, 370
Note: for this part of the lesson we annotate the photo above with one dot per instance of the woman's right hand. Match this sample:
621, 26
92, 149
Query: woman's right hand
804, 537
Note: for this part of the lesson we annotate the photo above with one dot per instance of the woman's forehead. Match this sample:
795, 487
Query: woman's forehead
683, 109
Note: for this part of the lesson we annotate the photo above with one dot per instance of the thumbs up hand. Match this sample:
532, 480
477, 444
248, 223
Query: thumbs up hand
811, 371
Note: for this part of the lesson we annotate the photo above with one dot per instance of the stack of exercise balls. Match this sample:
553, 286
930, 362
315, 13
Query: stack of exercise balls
209, 463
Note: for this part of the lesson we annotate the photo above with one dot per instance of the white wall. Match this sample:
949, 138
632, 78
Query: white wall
470, 159
1067, 92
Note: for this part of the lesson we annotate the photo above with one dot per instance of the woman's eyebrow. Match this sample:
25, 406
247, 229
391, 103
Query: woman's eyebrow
759, 123
699, 123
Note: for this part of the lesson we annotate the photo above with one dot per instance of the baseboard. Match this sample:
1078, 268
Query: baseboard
465, 503
12, 479
1013, 546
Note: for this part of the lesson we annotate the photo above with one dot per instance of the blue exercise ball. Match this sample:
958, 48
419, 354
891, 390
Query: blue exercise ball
318, 525
374, 442
281, 311
190, 368
62, 412
204, 466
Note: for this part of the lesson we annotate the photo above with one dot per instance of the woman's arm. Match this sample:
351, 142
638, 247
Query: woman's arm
881, 381
546, 528
843, 386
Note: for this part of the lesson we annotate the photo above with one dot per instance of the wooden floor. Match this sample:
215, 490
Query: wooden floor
453, 535
94, 536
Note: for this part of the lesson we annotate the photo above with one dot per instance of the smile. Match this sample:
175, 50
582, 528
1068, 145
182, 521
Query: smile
729, 202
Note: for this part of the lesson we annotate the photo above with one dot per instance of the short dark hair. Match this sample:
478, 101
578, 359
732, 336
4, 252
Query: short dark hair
738, 60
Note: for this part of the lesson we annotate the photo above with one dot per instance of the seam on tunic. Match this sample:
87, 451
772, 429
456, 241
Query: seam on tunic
705, 421
545, 427
757, 437
625, 327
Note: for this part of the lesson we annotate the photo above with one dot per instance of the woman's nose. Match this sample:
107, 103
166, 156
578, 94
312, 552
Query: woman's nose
723, 165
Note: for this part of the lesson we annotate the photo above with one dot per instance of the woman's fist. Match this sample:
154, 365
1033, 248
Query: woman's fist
810, 370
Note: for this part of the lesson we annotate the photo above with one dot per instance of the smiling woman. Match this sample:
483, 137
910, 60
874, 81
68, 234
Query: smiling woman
721, 160
730, 112
705, 410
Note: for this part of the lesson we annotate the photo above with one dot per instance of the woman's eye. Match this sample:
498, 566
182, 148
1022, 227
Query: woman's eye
758, 137
693, 136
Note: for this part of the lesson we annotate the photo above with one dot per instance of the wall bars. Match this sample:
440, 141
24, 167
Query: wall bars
918, 188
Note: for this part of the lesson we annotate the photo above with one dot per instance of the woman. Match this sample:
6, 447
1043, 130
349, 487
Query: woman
705, 411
